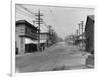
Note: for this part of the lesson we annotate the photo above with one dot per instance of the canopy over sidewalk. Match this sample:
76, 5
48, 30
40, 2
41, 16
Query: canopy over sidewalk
27, 41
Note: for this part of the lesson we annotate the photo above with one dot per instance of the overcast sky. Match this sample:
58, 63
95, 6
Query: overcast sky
64, 20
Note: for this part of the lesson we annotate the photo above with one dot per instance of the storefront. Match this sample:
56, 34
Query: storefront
25, 30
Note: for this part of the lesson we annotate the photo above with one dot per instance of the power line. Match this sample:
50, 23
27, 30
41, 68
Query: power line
30, 13
27, 10
44, 28
23, 13
24, 10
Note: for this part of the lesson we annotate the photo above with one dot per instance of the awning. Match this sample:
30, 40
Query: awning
27, 41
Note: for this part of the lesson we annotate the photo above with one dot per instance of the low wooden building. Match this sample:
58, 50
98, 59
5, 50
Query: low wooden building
89, 33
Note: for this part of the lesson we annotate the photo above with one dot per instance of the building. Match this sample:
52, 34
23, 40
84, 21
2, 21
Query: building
89, 33
25, 35
44, 38
80, 40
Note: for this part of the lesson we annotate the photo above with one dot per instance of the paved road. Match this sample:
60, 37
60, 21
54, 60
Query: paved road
60, 56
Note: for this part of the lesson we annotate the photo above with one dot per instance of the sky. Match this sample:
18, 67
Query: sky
64, 20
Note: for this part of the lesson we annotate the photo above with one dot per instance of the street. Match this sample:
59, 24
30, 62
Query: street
60, 56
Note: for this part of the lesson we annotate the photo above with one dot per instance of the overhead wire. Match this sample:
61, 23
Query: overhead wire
23, 13
32, 14
27, 10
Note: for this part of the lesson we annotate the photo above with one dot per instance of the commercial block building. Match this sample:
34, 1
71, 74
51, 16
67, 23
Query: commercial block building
24, 32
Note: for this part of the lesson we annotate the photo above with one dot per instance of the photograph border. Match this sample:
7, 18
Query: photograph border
13, 3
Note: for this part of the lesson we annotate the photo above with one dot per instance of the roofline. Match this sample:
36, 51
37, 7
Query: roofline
26, 23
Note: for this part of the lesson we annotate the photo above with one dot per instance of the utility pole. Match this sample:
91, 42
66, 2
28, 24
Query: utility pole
77, 32
82, 26
49, 34
79, 28
76, 37
39, 21
82, 22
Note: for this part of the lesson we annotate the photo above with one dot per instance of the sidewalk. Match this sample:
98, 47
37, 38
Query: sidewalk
89, 63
